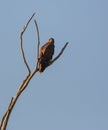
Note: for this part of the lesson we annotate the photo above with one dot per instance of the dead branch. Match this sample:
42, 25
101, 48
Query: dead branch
29, 76
38, 38
62, 50
22, 87
21, 46
38, 43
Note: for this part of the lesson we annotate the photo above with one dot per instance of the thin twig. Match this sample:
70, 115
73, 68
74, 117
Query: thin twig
38, 43
21, 46
62, 50
37, 30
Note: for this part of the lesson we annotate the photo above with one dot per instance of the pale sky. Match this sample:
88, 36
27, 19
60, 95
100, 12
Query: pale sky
72, 94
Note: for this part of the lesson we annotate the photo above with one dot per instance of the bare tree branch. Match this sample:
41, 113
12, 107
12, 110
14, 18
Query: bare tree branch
25, 83
62, 50
30, 75
21, 46
38, 43
22, 87
5, 117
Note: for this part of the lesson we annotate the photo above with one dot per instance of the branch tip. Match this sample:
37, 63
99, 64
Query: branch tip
62, 50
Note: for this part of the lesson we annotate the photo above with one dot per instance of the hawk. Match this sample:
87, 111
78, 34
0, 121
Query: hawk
46, 54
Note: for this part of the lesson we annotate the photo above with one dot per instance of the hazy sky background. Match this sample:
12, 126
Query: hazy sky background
72, 94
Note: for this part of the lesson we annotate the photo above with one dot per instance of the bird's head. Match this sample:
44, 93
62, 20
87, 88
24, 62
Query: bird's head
51, 40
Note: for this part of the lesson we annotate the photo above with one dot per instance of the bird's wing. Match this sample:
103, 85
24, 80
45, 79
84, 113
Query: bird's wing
47, 51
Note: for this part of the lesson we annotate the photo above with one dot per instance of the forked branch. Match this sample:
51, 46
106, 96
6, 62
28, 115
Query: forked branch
23, 86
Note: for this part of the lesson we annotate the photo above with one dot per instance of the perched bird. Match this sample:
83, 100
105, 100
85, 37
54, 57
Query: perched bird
46, 54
